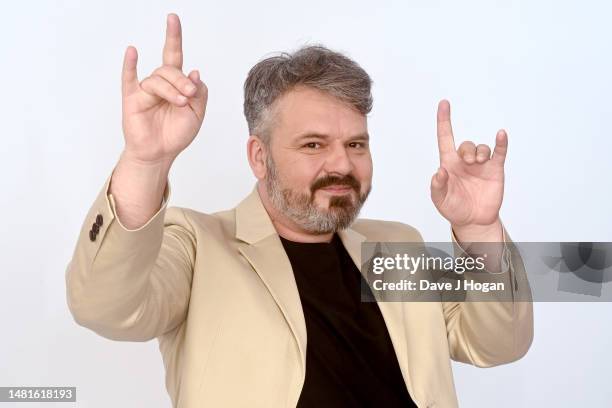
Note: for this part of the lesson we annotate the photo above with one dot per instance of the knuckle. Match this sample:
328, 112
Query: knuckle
467, 145
146, 82
168, 72
175, 53
183, 81
160, 79
159, 71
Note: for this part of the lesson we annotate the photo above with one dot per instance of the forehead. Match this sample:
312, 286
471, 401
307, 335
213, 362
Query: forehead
304, 109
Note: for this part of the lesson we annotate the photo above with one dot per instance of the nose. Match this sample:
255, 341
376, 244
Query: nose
338, 161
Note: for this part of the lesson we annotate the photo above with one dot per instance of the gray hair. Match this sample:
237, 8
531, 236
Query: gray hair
315, 66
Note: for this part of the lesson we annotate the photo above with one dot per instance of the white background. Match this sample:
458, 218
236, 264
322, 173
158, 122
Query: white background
540, 69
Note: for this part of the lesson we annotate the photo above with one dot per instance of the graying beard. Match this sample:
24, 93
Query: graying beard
305, 213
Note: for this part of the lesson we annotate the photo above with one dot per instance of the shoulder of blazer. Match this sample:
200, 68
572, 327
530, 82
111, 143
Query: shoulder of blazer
217, 223
386, 231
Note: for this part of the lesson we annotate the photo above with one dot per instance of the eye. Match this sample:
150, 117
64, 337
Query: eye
357, 145
312, 145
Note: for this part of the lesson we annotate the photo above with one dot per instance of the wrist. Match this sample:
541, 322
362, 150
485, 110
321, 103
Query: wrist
161, 164
139, 183
479, 233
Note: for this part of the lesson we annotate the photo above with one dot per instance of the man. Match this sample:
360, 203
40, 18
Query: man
258, 306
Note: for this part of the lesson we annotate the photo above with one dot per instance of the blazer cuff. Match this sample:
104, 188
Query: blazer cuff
113, 207
506, 276
506, 255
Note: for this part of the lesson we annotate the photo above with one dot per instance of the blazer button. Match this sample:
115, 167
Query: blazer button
99, 220
95, 228
92, 235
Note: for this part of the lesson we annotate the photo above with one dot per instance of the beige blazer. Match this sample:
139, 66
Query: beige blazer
218, 293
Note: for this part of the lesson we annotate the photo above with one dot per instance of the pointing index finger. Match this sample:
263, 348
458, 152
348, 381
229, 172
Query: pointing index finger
446, 141
173, 48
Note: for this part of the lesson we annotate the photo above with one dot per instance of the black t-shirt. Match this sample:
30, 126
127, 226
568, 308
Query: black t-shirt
350, 361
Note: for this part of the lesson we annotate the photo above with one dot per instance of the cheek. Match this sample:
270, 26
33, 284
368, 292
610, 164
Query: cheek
300, 175
363, 169
304, 171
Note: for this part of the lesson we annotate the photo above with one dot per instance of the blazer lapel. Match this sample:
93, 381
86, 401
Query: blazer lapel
265, 252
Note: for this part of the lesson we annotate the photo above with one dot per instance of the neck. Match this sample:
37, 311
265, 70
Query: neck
285, 227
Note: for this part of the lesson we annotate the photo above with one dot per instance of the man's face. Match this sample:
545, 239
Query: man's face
319, 167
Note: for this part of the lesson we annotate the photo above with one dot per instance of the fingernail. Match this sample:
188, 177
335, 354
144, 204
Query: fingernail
181, 99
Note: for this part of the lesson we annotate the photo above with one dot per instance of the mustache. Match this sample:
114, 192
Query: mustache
348, 180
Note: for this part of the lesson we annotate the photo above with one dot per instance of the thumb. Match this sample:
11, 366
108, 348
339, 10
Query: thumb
439, 186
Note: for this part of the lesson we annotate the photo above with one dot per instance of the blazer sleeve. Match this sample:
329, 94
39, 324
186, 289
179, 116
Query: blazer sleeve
490, 333
131, 285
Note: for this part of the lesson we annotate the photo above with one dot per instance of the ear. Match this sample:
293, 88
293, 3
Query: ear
256, 153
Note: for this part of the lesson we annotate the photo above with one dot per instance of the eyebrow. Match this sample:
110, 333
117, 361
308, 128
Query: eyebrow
315, 135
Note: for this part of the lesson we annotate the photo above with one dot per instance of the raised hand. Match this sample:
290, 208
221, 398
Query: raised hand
163, 113
468, 188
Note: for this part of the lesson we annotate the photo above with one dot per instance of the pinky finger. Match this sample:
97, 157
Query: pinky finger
501, 147
195, 77
199, 100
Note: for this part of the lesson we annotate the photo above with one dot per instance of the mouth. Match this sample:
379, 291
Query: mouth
337, 189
